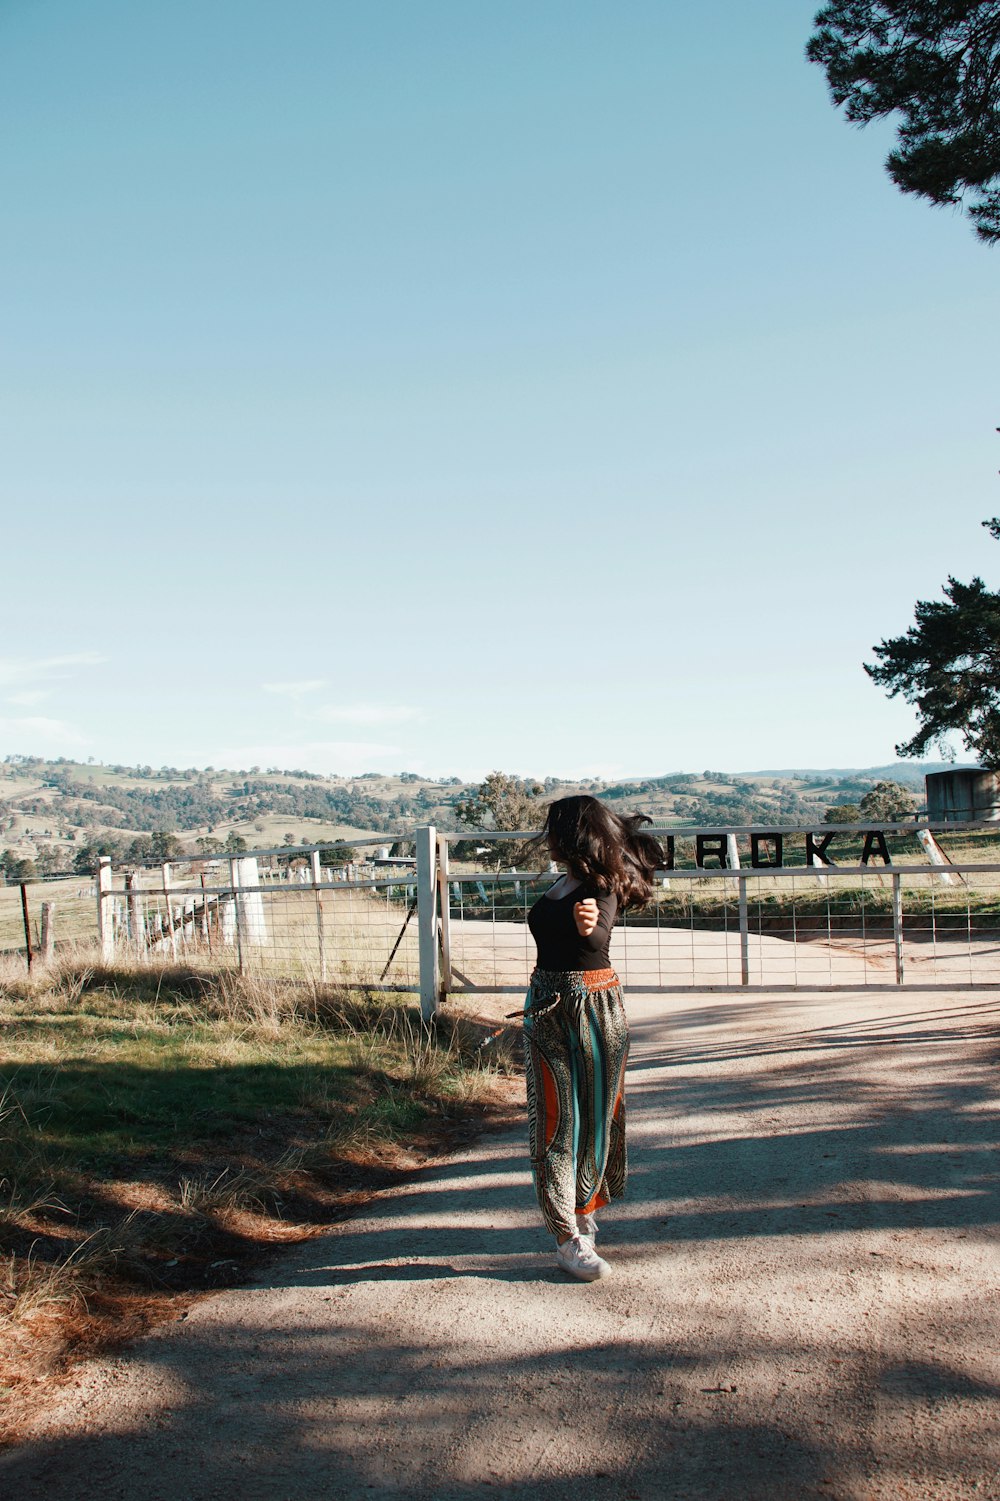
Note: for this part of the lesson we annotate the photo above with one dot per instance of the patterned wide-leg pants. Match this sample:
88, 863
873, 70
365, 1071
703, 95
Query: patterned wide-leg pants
575, 1046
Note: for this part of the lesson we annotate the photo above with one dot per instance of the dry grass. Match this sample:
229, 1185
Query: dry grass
160, 1127
228, 1190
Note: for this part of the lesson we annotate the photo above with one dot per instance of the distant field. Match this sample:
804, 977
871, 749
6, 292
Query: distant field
303, 831
76, 913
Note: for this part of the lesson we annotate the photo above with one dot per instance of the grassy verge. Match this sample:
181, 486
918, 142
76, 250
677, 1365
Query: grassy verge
161, 1130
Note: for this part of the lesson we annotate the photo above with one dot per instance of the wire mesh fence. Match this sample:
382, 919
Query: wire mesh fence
68, 925
355, 933
735, 930
830, 927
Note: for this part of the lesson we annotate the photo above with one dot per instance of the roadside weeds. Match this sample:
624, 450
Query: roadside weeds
164, 1132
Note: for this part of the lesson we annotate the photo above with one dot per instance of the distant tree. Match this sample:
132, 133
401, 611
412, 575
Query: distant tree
288, 839
842, 813
948, 665
16, 867
337, 854
208, 845
49, 858
503, 801
86, 859
164, 845
149, 847
886, 802
235, 843
935, 64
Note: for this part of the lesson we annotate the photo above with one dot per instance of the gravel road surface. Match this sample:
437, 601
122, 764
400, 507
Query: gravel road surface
804, 1300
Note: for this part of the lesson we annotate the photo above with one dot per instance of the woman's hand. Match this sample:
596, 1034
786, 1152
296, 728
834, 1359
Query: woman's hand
585, 916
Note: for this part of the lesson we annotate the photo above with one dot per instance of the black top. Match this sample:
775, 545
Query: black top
553, 927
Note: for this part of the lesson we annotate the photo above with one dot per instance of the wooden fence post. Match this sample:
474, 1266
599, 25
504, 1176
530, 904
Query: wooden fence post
105, 911
427, 920
206, 914
27, 926
48, 932
167, 873
317, 878
234, 881
136, 919
250, 904
937, 856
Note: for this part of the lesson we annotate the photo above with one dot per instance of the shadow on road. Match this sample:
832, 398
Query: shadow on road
400, 1356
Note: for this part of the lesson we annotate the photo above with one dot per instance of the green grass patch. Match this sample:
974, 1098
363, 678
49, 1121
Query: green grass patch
112, 1093
157, 1127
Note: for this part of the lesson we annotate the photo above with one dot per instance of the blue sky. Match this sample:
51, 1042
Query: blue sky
442, 386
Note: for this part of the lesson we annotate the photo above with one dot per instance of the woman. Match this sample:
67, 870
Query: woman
576, 1035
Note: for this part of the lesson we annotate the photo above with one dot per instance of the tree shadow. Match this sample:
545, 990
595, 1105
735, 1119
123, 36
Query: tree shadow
430, 1348
426, 1420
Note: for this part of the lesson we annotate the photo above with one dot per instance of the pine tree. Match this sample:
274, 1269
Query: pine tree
948, 665
935, 64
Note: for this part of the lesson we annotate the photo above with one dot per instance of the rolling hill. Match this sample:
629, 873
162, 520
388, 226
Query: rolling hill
52, 811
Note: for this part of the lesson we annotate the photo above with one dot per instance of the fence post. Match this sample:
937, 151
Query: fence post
444, 907
937, 856
105, 911
744, 934
136, 924
27, 926
170, 911
206, 914
317, 877
897, 924
251, 904
48, 932
234, 881
427, 919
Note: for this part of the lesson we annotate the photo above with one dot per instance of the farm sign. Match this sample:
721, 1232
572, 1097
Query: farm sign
768, 851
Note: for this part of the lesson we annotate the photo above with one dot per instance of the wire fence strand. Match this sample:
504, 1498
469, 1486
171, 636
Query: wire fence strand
842, 927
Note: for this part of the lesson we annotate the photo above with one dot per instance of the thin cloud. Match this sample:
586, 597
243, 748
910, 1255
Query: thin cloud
15, 670
603, 771
52, 731
363, 714
29, 697
295, 689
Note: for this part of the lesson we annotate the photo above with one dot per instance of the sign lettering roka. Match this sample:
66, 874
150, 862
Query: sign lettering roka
768, 851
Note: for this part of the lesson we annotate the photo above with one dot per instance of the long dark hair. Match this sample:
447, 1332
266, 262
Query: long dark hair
603, 849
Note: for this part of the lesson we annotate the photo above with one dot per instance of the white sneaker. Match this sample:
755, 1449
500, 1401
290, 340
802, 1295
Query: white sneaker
580, 1260
586, 1227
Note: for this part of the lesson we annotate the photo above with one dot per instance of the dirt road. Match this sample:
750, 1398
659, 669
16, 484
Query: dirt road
804, 1300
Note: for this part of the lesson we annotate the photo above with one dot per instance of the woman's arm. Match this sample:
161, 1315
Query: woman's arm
592, 913
585, 915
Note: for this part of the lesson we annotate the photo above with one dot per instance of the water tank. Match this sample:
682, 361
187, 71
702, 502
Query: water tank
963, 796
